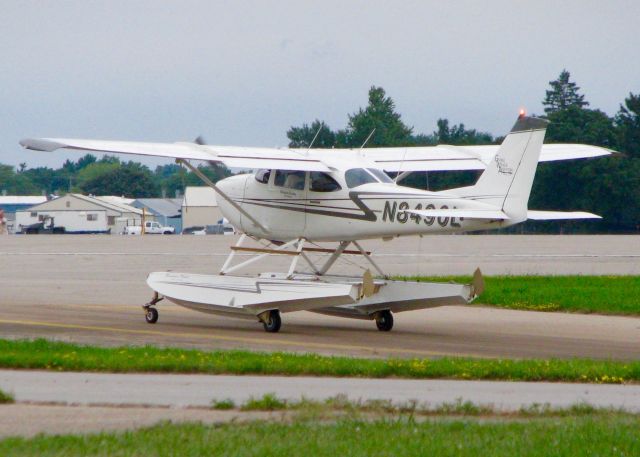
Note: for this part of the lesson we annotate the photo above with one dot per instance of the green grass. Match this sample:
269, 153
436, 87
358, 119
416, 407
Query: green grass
397, 436
268, 402
223, 404
5, 398
49, 355
583, 294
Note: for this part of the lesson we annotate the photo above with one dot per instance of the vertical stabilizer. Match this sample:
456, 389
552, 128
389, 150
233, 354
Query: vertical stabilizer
507, 180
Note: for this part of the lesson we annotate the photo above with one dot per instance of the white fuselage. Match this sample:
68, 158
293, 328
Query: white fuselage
370, 210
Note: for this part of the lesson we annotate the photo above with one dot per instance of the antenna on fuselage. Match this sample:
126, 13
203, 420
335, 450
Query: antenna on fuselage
400, 173
366, 141
368, 138
314, 138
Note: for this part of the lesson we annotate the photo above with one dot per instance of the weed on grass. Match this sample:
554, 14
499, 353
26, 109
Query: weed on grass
224, 404
6, 398
268, 402
379, 407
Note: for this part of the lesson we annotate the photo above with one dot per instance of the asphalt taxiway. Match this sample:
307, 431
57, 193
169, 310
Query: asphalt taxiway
89, 289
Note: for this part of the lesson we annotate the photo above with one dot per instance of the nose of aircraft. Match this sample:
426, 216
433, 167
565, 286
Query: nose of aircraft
233, 186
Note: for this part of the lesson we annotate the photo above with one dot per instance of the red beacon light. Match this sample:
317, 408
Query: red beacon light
523, 113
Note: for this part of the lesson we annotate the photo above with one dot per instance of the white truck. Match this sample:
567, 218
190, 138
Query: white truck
150, 227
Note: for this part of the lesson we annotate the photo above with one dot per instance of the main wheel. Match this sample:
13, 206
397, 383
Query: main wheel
384, 320
151, 315
273, 323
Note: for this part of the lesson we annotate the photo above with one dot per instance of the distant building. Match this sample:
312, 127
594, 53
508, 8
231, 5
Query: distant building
200, 207
167, 211
12, 203
81, 214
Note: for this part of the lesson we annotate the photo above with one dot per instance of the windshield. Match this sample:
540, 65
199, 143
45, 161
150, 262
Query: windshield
357, 177
381, 175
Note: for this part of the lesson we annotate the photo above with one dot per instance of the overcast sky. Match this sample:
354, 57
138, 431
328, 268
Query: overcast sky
241, 73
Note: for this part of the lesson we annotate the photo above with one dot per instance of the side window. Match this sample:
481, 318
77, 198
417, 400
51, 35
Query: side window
357, 177
263, 176
290, 179
322, 182
381, 175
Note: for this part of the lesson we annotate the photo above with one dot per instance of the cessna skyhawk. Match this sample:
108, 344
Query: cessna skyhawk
299, 197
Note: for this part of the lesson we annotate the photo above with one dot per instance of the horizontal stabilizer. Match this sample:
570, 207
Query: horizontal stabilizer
466, 213
558, 215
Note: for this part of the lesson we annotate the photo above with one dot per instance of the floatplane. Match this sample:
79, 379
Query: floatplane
297, 198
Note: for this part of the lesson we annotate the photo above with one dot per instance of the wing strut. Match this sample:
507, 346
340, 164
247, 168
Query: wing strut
211, 184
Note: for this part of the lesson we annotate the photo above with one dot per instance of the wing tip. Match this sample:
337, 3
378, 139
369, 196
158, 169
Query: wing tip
39, 144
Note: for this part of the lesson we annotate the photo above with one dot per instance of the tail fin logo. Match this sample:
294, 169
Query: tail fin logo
503, 166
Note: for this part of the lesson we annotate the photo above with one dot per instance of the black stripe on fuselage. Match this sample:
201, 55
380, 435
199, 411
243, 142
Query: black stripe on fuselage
367, 214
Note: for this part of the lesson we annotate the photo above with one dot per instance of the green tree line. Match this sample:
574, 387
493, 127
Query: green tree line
106, 176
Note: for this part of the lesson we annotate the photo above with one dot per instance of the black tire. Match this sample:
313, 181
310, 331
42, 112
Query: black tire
151, 316
167, 233
273, 323
384, 320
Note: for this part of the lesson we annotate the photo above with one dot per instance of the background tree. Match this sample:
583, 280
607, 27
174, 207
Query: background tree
563, 94
130, 179
607, 186
459, 135
627, 122
380, 115
16, 183
301, 137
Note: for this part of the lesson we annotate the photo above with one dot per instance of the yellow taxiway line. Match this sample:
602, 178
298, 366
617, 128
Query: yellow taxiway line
264, 341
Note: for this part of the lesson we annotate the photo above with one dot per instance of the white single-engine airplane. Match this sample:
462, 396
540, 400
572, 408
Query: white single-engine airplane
300, 197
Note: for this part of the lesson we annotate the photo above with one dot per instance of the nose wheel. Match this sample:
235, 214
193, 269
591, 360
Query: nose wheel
384, 320
150, 312
151, 315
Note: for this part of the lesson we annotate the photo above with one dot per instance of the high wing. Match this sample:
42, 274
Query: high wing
397, 159
446, 157
231, 156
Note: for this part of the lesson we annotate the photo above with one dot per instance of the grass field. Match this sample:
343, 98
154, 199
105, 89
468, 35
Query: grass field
398, 436
48, 355
583, 294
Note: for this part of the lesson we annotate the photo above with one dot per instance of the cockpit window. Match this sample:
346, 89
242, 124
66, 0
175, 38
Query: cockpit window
357, 177
381, 175
290, 179
322, 182
263, 176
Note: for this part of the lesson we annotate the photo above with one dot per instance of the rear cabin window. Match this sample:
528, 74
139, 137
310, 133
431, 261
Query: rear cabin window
381, 175
322, 182
263, 176
290, 179
357, 177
